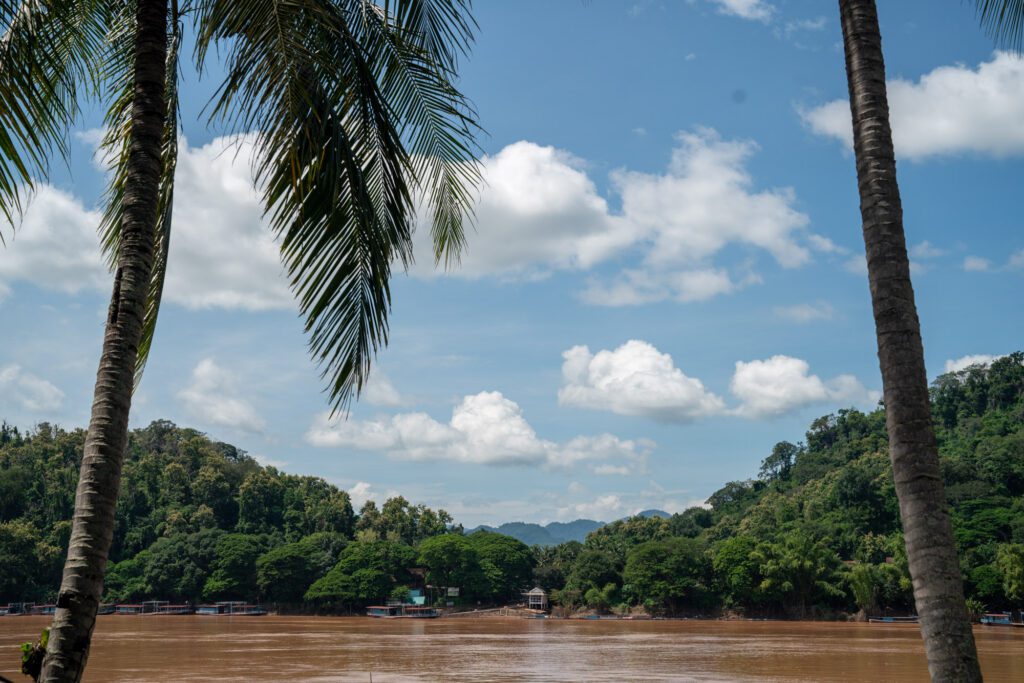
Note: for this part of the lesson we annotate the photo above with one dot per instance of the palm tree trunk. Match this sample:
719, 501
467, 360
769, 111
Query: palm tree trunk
931, 548
107, 439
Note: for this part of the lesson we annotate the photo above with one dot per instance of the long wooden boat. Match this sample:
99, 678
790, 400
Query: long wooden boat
402, 612
230, 609
17, 609
1000, 619
893, 620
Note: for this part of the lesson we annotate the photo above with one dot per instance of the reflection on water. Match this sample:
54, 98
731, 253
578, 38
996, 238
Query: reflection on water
322, 649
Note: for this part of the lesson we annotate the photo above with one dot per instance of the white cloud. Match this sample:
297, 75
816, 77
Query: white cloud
964, 362
638, 380
704, 203
976, 264
634, 379
27, 391
755, 10
379, 391
612, 469
635, 287
805, 313
269, 462
1016, 261
781, 384
213, 397
485, 428
603, 508
926, 250
540, 212
792, 27
55, 246
222, 253
950, 110
825, 245
360, 492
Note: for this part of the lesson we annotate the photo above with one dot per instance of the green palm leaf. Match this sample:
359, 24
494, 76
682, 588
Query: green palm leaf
48, 52
348, 125
1003, 20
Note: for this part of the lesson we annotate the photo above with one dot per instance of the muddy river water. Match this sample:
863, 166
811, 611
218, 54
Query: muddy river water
191, 648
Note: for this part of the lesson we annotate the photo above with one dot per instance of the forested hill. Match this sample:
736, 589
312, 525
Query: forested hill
815, 533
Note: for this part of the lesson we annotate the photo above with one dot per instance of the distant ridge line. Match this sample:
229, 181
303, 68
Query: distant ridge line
555, 533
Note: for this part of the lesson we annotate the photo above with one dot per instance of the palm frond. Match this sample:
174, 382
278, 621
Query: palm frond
443, 29
321, 86
48, 53
1003, 20
438, 122
120, 79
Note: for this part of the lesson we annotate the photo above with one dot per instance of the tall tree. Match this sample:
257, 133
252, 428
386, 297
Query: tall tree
353, 111
928, 534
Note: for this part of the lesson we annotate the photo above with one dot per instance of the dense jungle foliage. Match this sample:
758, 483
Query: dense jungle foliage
815, 534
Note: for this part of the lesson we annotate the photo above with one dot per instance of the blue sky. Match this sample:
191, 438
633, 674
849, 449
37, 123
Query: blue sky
666, 276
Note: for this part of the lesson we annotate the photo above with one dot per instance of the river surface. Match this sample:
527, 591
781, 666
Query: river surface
154, 649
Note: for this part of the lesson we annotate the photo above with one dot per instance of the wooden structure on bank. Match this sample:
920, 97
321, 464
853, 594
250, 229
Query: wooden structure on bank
536, 598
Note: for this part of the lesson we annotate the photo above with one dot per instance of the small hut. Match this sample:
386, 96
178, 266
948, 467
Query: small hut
536, 598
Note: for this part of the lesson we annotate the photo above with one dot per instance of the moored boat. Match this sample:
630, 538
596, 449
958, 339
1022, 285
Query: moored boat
1001, 619
230, 609
17, 609
402, 612
893, 620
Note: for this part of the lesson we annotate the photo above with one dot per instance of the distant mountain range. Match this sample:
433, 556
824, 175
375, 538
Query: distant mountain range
555, 532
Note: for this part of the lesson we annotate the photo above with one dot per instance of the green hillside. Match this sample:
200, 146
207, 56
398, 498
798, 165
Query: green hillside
816, 533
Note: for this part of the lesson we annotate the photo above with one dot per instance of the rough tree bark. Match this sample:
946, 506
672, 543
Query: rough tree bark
106, 441
931, 548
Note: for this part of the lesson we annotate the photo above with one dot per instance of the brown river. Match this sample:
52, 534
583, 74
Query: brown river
189, 648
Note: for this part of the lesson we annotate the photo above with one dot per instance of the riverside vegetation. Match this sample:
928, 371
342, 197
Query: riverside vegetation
815, 535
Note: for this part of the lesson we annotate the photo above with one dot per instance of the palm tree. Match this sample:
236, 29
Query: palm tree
928, 533
355, 115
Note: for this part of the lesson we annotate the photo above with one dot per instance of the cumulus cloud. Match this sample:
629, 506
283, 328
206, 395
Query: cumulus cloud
1016, 261
222, 254
485, 428
964, 362
925, 250
379, 391
781, 384
705, 202
634, 379
950, 110
755, 10
805, 313
213, 396
540, 212
976, 264
27, 391
55, 246
638, 380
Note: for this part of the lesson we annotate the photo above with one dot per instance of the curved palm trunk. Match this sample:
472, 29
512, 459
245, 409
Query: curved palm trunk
931, 549
105, 444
